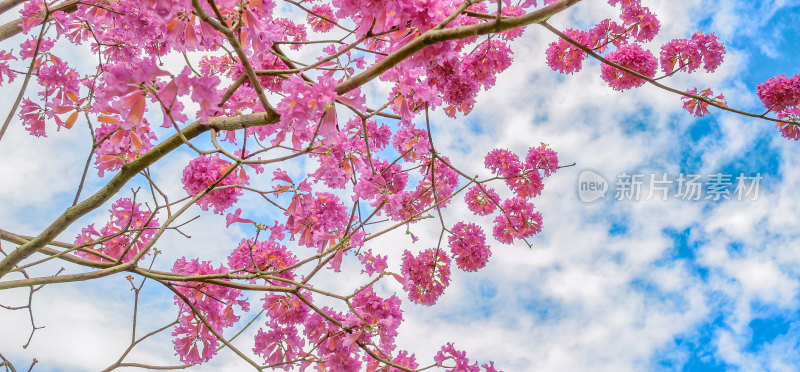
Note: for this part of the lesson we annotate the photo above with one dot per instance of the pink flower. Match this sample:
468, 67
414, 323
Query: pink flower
402, 359
426, 276
697, 107
121, 143
503, 163
413, 144
318, 220
632, 57
286, 309
301, 109
790, 130
482, 200
32, 117
318, 23
711, 49
688, 54
564, 57
780, 92
468, 245
448, 352
4, 68
263, 256
32, 14
542, 158
372, 264
383, 316
642, 22
203, 171
235, 217
279, 345
27, 47
216, 304
128, 231
519, 221
527, 185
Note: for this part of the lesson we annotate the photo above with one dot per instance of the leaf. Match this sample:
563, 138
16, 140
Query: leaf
107, 119
73, 97
71, 120
63, 109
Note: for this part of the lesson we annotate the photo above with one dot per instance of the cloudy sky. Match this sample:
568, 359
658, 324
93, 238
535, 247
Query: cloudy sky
616, 285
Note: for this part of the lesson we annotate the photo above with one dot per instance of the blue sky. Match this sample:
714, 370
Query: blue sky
611, 285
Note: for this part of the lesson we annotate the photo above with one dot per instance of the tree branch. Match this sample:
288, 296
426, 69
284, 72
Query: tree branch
127, 172
435, 36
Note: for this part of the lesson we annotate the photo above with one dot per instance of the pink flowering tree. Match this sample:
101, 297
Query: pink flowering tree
267, 93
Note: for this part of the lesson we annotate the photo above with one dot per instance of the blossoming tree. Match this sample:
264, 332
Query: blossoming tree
269, 91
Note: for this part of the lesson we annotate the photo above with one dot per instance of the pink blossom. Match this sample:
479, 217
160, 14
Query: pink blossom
564, 57
302, 108
318, 220
372, 264
426, 276
4, 67
413, 144
688, 54
286, 309
216, 304
468, 245
642, 22
32, 14
543, 158
780, 92
120, 143
29, 46
632, 57
235, 217
263, 256
790, 130
503, 162
402, 358
279, 345
32, 117
527, 185
711, 49
383, 316
204, 171
128, 231
449, 353
698, 107
519, 221
482, 200
320, 21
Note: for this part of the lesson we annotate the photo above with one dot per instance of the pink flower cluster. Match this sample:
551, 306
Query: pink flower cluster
301, 110
482, 200
468, 245
518, 220
120, 143
425, 276
194, 342
128, 231
263, 256
790, 130
780, 92
699, 107
319, 220
448, 353
632, 57
5, 68
689, 54
204, 171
